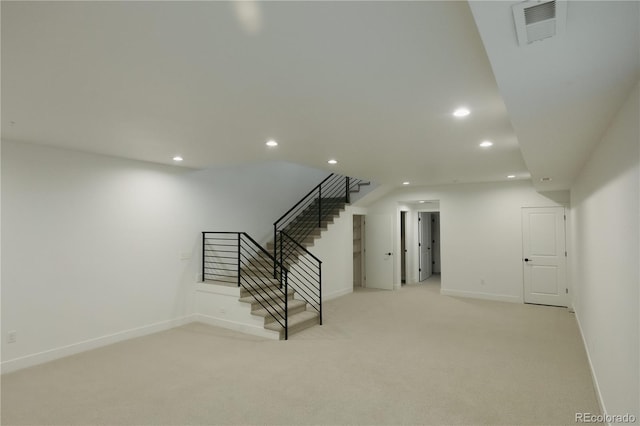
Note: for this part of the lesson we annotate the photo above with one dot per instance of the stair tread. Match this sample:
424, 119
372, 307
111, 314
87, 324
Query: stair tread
294, 320
274, 286
266, 294
262, 273
291, 305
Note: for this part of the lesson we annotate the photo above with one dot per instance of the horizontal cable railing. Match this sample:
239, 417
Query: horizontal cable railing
305, 271
236, 258
321, 202
300, 225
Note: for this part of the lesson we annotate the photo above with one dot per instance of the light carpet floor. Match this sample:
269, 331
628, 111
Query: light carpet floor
410, 356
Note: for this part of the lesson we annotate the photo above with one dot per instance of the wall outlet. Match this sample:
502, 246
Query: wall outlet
12, 337
482, 282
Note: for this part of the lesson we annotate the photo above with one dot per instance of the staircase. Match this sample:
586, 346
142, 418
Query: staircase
306, 228
282, 283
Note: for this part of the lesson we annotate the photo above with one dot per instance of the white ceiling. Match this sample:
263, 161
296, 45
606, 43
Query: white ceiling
562, 92
372, 84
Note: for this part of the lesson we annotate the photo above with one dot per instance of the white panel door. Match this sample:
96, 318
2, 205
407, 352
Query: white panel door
379, 251
424, 243
544, 256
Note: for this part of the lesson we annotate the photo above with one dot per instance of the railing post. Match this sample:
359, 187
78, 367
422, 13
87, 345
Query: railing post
203, 246
239, 243
286, 306
281, 267
348, 193
275, 250
320, 206
320, 290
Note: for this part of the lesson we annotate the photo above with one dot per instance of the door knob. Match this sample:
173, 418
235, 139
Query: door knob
526, 259
389, 254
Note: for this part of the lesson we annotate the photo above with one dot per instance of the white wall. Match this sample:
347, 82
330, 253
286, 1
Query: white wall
480, 233
335, 249
605, 230
96, 248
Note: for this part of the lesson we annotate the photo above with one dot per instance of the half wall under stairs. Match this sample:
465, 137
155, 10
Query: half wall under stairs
227, 306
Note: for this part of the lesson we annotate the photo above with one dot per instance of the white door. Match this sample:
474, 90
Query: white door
379, 251
544, 256
424, 243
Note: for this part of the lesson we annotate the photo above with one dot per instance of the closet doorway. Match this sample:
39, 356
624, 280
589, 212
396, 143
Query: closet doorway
428, 244
358, 251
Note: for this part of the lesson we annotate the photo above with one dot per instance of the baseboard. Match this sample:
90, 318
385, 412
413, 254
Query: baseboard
478, 295
594, 378
336, 294
236, 326
64, 351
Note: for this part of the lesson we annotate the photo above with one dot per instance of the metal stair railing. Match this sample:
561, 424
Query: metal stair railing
292, 229
330, 195
236, 258
305, 271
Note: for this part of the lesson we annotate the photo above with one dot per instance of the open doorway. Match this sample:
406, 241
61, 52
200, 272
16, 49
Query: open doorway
428, 245
425, 255
358, 251
435, 241
403, 247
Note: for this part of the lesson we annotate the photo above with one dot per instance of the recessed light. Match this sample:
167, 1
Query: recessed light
461, 112
177, 158
332, 161
272, 143
406, 183
511, 176
486, 144
421, 201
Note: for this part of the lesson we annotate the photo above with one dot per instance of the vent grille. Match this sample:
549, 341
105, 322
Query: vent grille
541, 12
539, 19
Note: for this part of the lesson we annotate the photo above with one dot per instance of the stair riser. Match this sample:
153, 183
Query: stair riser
291, 311
312, 221
328, 214
273, 299
259, 282
261, 275
301, 326
269, 295
272, 288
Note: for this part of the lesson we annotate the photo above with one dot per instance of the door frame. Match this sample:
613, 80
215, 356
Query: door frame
412, 208
427, 217
361, 266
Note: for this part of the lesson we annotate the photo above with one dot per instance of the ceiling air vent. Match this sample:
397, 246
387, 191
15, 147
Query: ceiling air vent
539, 19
